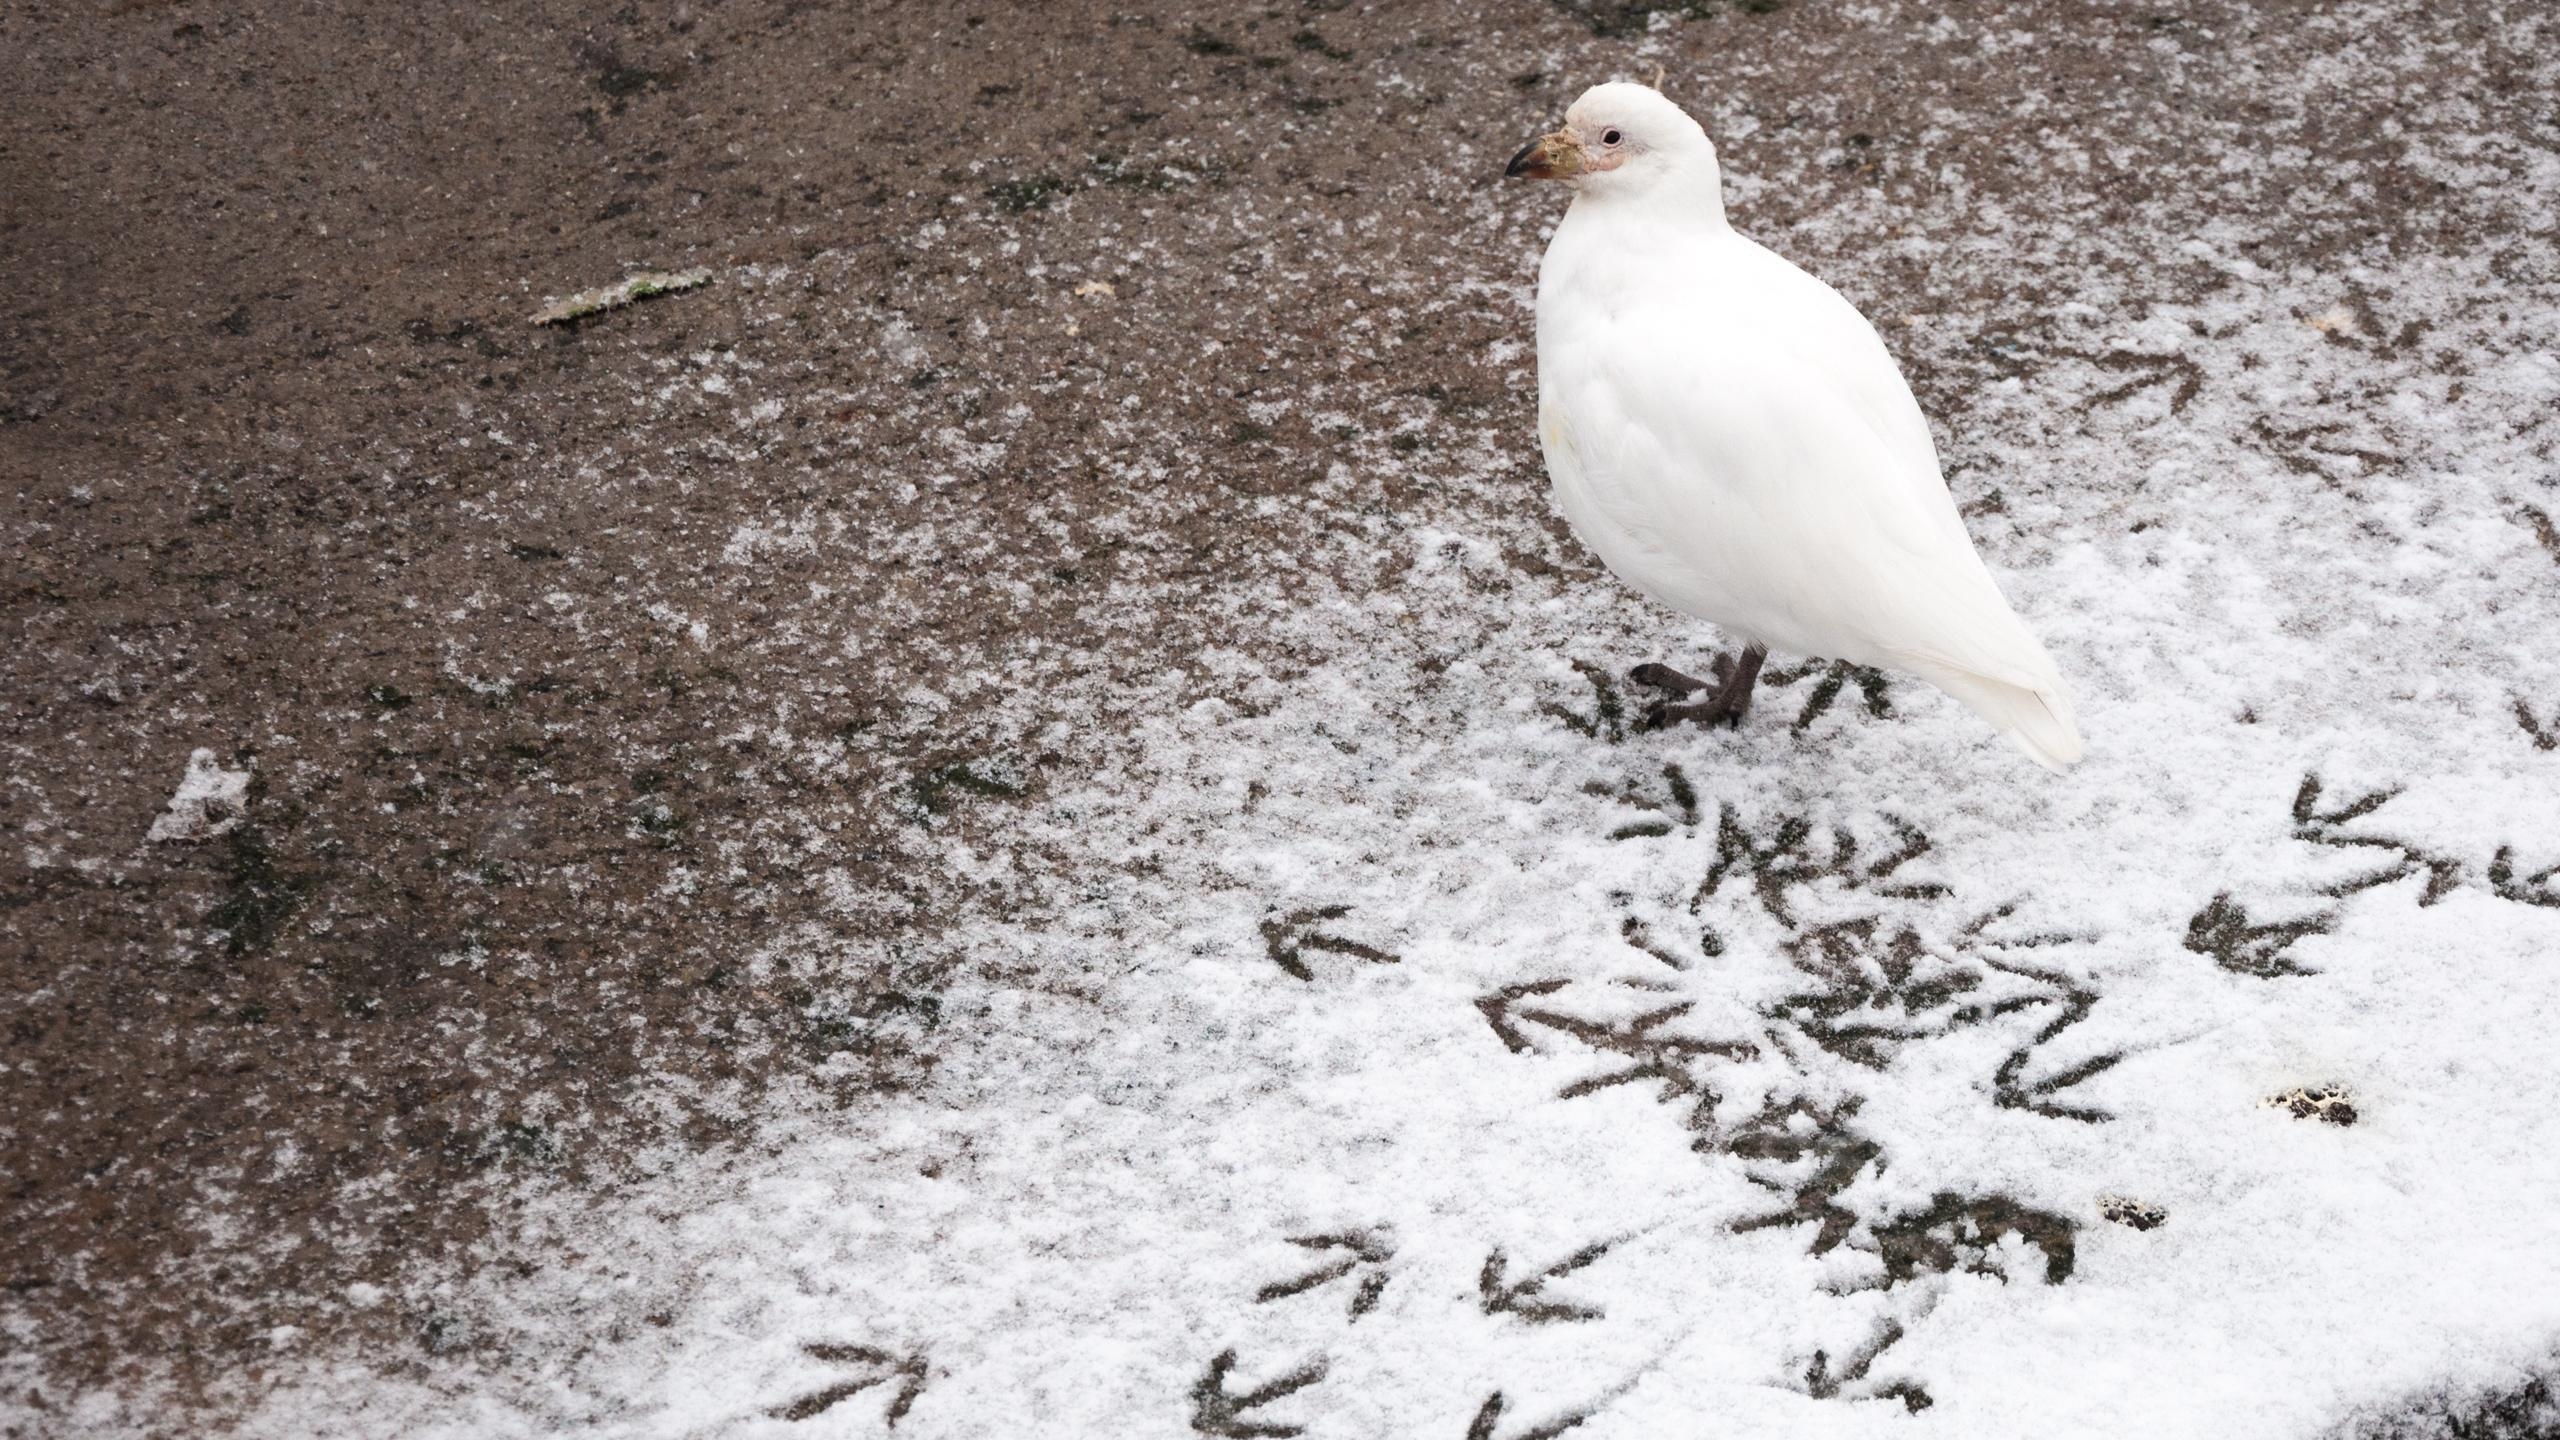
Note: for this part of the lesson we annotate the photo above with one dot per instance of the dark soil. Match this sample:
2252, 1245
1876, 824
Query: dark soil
290, 477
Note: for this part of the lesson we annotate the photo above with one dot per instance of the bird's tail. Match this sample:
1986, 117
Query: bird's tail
2037, 717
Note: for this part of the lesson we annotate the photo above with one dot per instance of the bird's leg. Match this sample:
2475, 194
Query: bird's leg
1732, 694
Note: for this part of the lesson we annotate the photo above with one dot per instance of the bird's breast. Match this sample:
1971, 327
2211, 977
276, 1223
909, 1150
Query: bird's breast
1660, 525
1675, 485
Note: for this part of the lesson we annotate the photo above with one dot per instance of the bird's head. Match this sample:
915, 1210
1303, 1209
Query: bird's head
1620, 138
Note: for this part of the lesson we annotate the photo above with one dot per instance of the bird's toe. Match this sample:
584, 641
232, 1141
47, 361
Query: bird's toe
1712, 713
1662, 677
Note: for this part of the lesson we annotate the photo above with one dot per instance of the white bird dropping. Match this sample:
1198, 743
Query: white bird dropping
1732, 438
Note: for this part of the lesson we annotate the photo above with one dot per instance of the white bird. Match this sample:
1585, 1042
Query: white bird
1731, 437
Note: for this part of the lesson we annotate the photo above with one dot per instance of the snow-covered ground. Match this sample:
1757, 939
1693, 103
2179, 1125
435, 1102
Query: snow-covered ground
1442, 1057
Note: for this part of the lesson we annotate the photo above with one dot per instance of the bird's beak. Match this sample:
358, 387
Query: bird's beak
1549, 157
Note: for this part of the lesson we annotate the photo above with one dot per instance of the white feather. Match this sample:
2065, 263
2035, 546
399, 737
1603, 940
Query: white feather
1733, 439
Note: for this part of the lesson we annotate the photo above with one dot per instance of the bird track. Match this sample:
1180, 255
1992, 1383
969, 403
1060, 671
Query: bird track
879, 1367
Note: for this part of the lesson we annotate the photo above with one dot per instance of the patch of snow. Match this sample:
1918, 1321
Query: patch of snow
212, 799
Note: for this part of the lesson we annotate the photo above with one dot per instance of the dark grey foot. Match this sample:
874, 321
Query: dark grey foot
1663, 677
1729, 697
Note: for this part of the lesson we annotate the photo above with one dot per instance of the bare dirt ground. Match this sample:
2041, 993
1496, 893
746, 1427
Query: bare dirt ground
290, 477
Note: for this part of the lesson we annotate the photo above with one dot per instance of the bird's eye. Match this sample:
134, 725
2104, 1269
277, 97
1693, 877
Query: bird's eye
1610, 137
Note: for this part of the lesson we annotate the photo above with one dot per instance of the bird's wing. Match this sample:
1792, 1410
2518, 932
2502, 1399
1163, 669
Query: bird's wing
1827, 341
1756, 431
